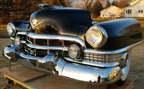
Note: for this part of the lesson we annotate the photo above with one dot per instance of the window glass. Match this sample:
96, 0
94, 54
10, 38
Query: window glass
140, 11
128, 11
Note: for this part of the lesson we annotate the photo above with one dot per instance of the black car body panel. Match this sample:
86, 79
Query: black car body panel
18, 24
75, 22
121, 33
65, 21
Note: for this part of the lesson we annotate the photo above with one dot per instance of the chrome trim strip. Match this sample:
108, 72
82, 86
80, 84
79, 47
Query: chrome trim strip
113, 51
8, 50
27, 56
100, 64
12, 38
94, 63
21, 33
23, 41
44, 47
47, 47
87, 50
11, 49
105, 36
6, 56
57, 37
103, 30
28, 40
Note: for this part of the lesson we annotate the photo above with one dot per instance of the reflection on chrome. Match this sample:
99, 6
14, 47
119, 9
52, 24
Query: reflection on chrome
79, 40
107, 73
90, 68
23, 41
21, 33
98, 75
94, 63
57, 37
47, 47
113, 51
113, 74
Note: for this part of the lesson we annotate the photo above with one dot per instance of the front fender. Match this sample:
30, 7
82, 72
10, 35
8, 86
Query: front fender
121, 33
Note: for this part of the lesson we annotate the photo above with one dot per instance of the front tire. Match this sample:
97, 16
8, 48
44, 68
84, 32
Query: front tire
125, 70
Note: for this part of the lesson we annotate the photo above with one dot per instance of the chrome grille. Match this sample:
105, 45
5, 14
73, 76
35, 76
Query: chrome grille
102, 58
40, 45
92, 57
40, 52
49, 42
48, 45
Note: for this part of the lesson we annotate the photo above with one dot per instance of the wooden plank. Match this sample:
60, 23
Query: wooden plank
129, 83
19, 82
58, 82
51, 81
22, 74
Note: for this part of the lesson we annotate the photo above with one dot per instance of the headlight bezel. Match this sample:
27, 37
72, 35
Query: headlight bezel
11, 31
103, 35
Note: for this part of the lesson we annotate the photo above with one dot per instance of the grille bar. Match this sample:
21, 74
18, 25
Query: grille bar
47, 47
57, 37
102, 58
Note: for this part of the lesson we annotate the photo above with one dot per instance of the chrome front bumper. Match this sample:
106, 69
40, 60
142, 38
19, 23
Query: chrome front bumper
108, 73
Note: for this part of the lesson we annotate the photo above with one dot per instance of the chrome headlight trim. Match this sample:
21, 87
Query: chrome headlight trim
12, 29
103, 34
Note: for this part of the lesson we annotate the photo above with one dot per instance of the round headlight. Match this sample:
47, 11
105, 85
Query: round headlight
74, 51
95, 36
11, 29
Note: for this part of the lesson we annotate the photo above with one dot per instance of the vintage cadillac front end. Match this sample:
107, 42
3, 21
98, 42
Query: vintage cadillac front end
68, 43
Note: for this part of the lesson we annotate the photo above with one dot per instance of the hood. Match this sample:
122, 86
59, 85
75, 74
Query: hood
64, 21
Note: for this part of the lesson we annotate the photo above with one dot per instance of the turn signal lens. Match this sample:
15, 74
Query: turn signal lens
74, 51
17, 41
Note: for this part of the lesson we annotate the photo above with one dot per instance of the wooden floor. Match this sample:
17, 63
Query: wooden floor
39, 80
